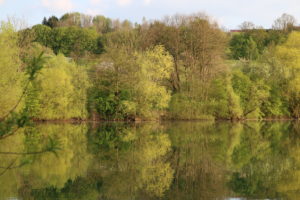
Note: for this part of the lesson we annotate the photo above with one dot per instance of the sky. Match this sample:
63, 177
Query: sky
229, 13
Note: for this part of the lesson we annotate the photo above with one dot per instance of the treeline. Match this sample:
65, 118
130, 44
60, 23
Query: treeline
181, 67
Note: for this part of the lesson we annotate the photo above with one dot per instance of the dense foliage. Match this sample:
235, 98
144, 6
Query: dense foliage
182, 67
11, 78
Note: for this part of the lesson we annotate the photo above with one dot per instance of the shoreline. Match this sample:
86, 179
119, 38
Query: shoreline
78, 121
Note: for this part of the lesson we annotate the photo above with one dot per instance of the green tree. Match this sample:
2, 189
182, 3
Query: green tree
132, 84
42, 34
103, 25
19, 78
243, 46
71, 41
289, 64
294, 97
62, 88
155, 66
51, 21
252, 93
12, 77
226, 102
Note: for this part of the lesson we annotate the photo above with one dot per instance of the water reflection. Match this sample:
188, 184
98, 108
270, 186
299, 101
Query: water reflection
178, 160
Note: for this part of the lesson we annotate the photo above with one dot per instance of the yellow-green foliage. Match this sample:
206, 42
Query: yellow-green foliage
72, 160
294, 96
11, 75
45, 169
154, 67
227, 102
233, 101
184, 108
144, 164
62, 90
289, 56
156, 175
132, 84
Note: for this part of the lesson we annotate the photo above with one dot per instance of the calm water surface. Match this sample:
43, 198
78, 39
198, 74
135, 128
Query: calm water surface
168, 161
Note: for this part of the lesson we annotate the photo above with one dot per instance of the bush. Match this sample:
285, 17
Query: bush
183, 108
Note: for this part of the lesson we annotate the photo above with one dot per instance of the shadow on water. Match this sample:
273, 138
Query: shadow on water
170, 160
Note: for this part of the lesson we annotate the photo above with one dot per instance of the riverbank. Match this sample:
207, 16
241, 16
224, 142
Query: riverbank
74, 121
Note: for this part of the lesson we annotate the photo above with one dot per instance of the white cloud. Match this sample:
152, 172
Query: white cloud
95, 2
124, 2
58, 5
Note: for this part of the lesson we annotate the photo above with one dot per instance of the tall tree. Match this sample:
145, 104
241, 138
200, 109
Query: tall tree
51, 21
11, 74
286, 22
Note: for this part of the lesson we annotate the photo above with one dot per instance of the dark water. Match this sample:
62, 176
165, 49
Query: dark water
178, 160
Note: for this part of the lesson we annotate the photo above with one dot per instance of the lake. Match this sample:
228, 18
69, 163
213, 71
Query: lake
167, 160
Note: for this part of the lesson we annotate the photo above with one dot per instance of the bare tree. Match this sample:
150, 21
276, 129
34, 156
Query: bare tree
246, 25
86, 20
286, 22
196, 44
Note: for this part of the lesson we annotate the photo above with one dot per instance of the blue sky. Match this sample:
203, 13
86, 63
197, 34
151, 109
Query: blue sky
229, 13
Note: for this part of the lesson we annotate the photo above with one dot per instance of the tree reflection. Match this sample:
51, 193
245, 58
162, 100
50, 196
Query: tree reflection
176, 160
35, 163
135, 162
199, 159
265, 162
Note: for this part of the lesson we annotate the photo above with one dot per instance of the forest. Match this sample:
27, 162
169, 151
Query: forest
182, 67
